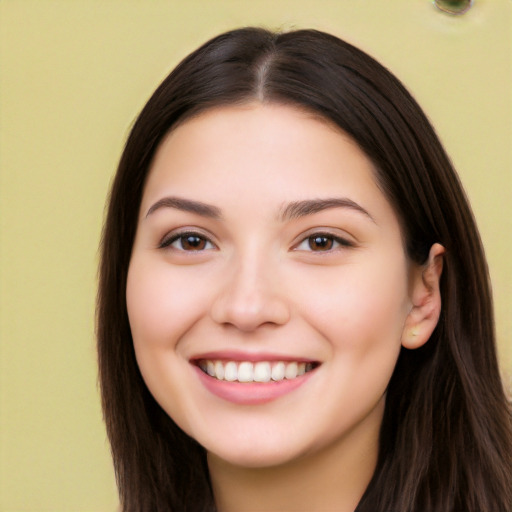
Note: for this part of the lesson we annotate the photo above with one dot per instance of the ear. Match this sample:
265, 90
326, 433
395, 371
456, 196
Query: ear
426, 300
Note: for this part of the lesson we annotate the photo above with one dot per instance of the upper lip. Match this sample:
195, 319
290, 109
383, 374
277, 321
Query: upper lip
236, 355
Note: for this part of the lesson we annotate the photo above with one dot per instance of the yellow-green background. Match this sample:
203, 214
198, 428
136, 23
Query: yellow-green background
73, 75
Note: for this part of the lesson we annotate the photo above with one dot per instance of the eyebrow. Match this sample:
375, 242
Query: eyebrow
298, 209
290, 211
186, 205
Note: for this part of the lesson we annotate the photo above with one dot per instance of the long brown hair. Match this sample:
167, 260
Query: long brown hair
446, 441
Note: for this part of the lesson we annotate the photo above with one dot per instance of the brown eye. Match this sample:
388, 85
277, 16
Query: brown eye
191, 242
320, 243
323, 242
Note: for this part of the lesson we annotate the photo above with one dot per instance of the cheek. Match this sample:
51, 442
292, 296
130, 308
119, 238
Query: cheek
147, 302
362, 306
161, 304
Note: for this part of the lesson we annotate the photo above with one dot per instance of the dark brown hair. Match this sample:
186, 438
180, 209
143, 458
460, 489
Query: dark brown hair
445, 442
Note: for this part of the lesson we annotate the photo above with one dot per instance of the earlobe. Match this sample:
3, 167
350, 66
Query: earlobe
426, 300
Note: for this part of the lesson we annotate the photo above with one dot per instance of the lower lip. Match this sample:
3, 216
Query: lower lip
251, 393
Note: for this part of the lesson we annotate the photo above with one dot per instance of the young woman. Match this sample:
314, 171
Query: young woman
294, 309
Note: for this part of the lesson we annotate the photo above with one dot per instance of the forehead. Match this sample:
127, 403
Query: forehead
256, 144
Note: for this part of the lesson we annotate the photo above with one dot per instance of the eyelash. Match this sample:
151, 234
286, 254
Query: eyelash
169, 241
330, 239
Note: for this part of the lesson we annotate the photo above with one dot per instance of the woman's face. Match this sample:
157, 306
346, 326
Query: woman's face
268, 286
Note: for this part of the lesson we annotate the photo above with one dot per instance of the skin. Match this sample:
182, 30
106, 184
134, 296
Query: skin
257, 283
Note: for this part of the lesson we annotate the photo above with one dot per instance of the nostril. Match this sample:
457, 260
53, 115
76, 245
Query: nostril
251, 311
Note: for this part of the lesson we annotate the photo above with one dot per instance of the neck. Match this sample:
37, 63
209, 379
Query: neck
333, 478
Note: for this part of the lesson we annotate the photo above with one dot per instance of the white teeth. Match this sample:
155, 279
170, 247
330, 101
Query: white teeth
210, 368
231, 371
291, 370
219, 370
246, 371
278, 371
262, 372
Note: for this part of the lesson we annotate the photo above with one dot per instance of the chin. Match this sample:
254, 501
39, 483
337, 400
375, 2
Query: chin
258, 455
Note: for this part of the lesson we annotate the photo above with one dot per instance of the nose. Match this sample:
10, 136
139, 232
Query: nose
250, 297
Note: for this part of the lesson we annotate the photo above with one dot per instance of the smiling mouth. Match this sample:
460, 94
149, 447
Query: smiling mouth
261, 371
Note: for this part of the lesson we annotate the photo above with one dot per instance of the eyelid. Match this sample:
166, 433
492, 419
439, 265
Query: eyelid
169, 238
344, 240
